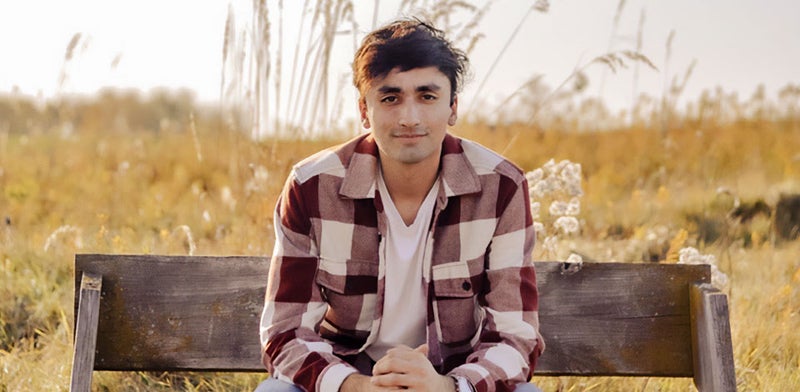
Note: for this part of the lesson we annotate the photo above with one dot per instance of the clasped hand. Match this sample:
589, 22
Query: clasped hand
402, 368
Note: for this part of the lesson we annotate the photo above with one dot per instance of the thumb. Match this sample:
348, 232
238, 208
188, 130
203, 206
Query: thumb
423, 348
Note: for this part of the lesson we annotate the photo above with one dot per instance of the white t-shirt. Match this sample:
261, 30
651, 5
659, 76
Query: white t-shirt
404, 301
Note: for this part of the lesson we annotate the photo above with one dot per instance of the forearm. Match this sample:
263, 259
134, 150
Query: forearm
514, 353
356, 383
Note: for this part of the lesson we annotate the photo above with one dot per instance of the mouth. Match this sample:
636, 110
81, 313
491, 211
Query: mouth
409, 135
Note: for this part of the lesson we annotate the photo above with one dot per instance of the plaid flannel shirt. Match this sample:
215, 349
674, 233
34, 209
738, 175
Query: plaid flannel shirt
324, 299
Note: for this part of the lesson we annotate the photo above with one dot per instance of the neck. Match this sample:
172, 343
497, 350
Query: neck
409, 184
410, 181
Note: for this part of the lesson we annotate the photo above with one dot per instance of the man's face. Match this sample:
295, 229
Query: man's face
409, 113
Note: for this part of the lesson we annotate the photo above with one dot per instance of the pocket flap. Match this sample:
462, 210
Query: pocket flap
348, 277
453, 280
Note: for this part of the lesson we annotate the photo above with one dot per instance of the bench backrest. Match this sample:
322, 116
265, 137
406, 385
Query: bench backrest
202, 313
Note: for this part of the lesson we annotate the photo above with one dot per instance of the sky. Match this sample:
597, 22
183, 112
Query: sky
737, 45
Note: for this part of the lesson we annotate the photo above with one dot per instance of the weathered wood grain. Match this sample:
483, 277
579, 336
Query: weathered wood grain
86, 316
202, 313
178, 313
711, 337
617, 319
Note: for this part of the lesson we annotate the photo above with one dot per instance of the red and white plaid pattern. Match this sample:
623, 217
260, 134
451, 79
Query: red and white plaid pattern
326, 282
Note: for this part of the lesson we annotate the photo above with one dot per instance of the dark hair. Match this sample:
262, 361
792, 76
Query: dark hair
407, 44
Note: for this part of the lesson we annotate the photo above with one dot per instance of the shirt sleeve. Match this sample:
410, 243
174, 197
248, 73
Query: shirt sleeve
510, 342
463, 385
292, 350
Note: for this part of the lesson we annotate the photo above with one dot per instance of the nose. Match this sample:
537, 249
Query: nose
409, 115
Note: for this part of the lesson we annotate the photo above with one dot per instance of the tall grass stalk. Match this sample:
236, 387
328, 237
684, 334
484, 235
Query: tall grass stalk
611, 40
311, 104
665, 94
537, 6
262, 60
639, 43
613, 61
193, 129
278, 69
69, 55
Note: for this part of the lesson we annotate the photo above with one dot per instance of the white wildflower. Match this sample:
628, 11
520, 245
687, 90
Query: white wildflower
574, 259
550, 167
539, 189
551, 245
554, 184
718, 278
571, 172
558, 208
534, 176
535, 208
567, 224
77, 240
574, 189
189, 242
574, 207
690, 255
571, 177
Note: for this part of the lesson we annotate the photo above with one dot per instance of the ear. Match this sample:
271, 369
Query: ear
362, 110
453, 112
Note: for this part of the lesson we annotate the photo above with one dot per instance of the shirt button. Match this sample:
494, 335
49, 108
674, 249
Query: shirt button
466, 286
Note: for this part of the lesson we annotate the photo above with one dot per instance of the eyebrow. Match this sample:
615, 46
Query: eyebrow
419, 89
429, 87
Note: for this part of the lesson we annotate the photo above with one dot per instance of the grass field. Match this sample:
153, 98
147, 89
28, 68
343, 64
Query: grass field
212, 192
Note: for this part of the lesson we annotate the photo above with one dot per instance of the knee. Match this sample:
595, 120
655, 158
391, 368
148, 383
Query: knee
274, 385
527, 387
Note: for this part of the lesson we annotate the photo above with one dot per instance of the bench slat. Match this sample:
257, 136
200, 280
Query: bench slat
617, 319
202, 313
177, 312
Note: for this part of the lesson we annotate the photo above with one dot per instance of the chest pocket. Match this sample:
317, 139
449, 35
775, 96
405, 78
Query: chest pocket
349, 287
456, 287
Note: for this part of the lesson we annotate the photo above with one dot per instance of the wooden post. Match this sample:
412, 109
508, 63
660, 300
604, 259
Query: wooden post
86, 333
711, 340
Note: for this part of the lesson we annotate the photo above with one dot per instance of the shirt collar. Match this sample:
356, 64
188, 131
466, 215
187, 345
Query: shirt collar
457, 174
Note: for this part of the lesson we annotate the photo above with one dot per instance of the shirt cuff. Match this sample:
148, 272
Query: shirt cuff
463, 384
331, 380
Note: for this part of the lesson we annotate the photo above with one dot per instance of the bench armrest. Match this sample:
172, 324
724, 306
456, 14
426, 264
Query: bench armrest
711, 340
86, 333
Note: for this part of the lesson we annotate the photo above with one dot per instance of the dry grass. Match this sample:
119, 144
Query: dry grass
139, 192
169, 185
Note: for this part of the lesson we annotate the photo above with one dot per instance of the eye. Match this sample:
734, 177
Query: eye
429, 97
389, 99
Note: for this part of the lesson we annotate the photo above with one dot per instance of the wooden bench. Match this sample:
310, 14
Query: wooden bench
179, 313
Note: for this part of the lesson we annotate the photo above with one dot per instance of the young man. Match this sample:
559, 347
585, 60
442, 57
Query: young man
403, 257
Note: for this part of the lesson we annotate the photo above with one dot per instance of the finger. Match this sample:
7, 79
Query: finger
406, 352
388, 365
406, 363
398, 350
392, 381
